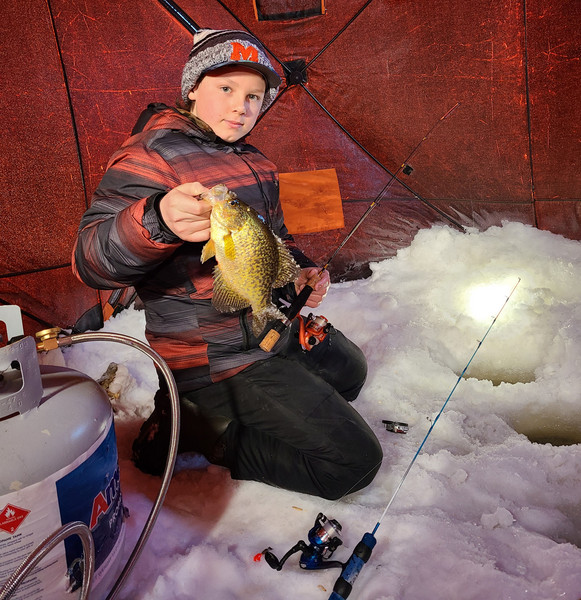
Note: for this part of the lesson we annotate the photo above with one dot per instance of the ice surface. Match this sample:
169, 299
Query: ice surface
485, 514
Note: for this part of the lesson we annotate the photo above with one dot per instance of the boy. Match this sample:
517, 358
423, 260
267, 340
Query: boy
281, 417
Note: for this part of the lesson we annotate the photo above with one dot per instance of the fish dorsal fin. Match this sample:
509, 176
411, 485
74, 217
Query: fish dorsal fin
288, 270
224, 298
208, 251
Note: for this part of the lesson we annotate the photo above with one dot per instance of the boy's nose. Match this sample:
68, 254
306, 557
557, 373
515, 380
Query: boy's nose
240, 105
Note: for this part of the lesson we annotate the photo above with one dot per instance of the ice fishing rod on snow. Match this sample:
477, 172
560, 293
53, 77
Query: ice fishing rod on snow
274, 333
364, 548
324, 537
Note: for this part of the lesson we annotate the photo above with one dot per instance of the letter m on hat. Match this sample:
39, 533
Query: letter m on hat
240, 52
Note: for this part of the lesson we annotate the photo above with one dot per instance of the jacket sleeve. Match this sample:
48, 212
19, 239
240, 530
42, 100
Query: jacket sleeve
121, 237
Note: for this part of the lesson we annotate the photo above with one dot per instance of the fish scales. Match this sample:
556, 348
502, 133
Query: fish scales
251, 259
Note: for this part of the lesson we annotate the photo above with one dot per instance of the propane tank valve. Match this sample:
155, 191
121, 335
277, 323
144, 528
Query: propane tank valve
47, 339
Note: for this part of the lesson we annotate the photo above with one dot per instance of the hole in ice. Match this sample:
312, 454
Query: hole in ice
499, 374
514, 350
548, 429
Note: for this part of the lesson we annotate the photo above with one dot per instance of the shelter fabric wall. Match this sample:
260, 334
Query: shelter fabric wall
77, 74
42, 185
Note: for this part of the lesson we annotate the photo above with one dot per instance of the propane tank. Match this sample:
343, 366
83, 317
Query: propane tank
59, 464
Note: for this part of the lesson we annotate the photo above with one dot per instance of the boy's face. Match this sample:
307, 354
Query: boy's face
229, 100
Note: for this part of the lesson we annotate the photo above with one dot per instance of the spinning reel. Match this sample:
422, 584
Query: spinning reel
324, 538
312, 330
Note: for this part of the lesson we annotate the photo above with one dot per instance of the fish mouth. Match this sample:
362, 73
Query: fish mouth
219, 193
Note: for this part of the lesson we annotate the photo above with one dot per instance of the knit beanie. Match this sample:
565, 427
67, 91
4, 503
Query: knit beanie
214, 49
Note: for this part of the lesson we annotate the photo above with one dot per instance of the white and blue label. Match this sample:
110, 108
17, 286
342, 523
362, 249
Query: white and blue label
86, 490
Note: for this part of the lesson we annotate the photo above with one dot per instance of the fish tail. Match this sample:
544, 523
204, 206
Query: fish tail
261, 317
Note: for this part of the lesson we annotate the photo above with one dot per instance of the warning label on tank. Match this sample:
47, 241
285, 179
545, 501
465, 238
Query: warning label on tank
12, 517
86, 490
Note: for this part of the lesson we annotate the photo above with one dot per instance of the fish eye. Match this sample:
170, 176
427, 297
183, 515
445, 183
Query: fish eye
233, 202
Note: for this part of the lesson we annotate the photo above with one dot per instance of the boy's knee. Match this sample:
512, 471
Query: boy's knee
357, 471
358, 373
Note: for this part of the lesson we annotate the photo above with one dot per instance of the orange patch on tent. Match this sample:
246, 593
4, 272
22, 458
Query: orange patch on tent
311, 201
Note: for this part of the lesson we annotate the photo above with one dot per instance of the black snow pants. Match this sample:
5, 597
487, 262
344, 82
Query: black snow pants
287, 421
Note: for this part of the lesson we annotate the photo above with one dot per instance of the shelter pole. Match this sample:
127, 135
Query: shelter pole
180, 16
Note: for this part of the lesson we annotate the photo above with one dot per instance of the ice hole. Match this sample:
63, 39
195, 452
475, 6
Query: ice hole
501, 375
549, 429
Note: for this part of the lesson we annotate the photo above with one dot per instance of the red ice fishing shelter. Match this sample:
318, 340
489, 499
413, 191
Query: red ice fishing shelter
364, 81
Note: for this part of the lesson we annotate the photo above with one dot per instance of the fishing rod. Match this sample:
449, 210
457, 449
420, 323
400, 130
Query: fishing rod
362, 552
324, 537
274, 333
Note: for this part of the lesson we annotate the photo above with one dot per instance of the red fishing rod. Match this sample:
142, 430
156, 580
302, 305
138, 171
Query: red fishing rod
276, 330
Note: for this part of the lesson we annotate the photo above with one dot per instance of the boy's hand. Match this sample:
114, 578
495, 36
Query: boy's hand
185, 213
320, 287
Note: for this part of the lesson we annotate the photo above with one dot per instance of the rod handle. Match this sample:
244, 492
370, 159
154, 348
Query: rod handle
274, 333
272, 336
352, 568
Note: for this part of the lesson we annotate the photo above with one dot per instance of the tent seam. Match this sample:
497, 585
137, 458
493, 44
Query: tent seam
528, 110
70, 103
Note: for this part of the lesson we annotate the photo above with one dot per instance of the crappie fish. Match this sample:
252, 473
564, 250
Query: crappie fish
251, 259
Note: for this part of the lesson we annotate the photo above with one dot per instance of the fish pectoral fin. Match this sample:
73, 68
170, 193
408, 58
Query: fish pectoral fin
208, 251
288, 270
261, 317
229, 247
225, 298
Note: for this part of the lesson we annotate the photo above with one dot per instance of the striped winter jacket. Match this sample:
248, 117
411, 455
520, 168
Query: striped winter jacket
122, 242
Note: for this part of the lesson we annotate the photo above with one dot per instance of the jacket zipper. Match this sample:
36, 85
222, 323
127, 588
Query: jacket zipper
244, 324
245, 328
262, 192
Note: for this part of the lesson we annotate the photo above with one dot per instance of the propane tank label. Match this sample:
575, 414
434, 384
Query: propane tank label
91, 493
86, 490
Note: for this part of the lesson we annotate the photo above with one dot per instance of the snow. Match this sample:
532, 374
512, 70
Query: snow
485, 513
